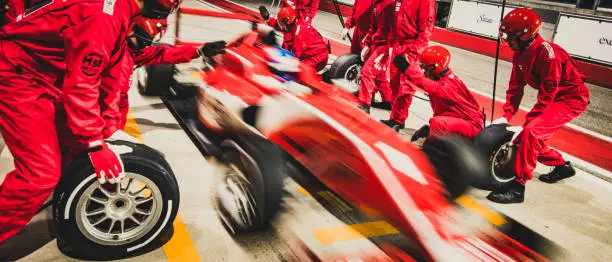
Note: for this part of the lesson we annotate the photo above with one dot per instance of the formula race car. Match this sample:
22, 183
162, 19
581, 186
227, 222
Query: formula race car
265, 109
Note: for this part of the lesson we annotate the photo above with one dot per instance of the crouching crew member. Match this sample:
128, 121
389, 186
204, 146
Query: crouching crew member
455, 110
562, 96
300, 37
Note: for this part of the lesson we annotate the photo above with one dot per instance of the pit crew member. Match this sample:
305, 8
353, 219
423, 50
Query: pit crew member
52, 61
455, 110
361, 18
411, 30
374, 53
300, 38
140, 52
562, 96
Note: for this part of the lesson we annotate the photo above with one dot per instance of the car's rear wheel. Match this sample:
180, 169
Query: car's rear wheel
493, 142
456, 162
348, 67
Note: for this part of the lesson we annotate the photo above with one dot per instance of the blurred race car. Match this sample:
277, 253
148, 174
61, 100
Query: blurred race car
269, 109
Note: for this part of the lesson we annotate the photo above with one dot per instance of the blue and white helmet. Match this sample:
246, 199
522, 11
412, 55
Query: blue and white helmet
282, 60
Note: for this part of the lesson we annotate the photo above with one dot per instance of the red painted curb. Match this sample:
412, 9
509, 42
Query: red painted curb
574, 142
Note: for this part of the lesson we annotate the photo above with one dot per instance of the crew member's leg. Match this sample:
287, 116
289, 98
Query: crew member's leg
27, 124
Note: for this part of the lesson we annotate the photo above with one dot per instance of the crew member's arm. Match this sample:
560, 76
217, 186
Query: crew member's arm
88, 51
350, 20
114, 80
157, 55
514, 94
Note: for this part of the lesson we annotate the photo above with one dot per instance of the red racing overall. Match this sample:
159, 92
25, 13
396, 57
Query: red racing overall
455, 110
306, 9
410, 33
375, 79
50, 90
562, 96
361, 18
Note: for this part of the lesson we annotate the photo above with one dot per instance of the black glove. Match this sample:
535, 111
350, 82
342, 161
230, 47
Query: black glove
401, 63
264, 13
213, 48
422, 132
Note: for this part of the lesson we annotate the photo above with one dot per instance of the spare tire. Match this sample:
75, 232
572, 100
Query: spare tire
250, 192
456, 162
347, 66
154, 80
493, 143
115, 221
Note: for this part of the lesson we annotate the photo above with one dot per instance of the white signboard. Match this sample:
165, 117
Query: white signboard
476, 17
585, 37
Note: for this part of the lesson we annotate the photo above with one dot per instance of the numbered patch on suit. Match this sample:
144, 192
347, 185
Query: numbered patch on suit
91, 64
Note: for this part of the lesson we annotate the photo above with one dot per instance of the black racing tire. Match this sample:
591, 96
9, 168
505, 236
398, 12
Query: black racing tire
262, 169
79, 238
155, 80
455, 161
347, 66
489, 142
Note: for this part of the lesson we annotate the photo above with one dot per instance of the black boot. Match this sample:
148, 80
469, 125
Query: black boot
511, 193
393, 125
364, 108
382, 105
558, 173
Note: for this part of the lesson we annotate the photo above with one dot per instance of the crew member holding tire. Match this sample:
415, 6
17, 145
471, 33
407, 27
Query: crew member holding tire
411, 29
140, 52
361, 18
455, 110
300, 37
562, 96
52, 62
374, 54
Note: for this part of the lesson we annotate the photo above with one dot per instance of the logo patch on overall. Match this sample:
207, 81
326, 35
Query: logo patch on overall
91, 64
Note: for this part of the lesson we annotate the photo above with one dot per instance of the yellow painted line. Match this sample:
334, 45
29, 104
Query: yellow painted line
489, 215
180, 247
195, 74
131, 127
353, 232
302, 190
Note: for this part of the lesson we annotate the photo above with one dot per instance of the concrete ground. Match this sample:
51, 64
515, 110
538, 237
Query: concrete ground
574, 214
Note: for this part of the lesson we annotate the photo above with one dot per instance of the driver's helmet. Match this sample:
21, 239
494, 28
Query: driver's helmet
281, 61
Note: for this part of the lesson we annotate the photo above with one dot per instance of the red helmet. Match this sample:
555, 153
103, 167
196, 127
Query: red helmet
150, 27
521, 23
435, 58
287, 15
145, 31
159, 9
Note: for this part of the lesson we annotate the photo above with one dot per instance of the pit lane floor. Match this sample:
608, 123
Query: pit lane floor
574, 214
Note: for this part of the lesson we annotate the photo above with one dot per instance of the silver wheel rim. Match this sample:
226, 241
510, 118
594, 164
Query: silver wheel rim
500, 159
353, 75
117, 214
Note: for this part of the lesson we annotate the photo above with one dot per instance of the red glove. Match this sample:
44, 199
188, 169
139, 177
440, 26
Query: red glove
106, 162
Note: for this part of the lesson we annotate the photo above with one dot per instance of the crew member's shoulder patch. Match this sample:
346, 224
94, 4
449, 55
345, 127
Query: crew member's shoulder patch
91, 64
549, 49
109, 7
